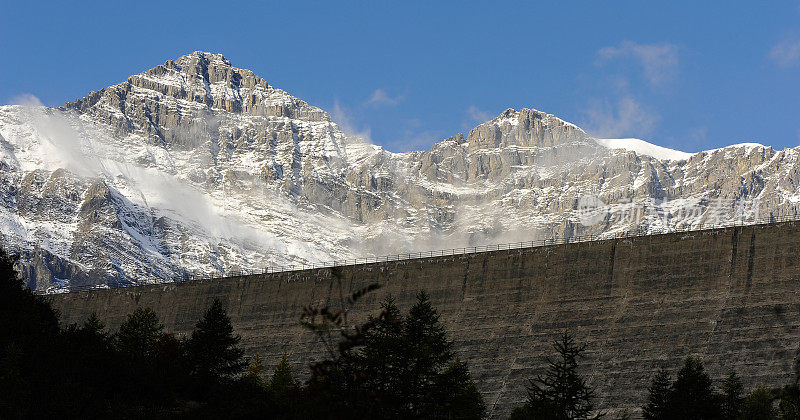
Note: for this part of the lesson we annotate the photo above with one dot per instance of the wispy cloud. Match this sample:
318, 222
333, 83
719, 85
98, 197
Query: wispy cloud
697, 139
342, 116
25, 99
786, 54
477, 115
418, 140
699, 135
415, 137
625, 118
659, 62
381, 98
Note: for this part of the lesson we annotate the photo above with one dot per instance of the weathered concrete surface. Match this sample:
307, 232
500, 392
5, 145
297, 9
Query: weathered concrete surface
729, 296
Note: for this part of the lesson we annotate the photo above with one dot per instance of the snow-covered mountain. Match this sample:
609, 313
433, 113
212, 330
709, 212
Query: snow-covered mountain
196, 167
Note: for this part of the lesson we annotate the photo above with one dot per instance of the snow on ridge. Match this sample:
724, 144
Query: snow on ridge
748, 146
642, 147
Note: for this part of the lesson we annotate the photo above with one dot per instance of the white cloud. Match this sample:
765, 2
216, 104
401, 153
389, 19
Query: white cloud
477, 115
786, 54
699, 134
626, 118
417, 141
343, 118
25, 99
414, 138
659, 61
59, 140
381, 98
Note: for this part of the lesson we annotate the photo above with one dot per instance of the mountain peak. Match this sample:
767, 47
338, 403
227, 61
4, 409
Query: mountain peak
205, 55
166, 101
526, 127
201, 57
211, 67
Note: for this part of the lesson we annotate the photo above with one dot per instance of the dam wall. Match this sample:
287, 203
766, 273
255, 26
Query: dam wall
730, 296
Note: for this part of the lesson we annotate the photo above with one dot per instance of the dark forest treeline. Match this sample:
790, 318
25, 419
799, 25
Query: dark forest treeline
691, 395
394, 366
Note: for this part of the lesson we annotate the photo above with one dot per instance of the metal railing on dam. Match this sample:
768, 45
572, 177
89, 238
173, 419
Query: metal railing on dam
650, 231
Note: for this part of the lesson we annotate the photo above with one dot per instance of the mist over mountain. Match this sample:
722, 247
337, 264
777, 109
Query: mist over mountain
196, 167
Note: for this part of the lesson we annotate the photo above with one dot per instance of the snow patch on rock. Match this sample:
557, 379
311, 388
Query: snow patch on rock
642, 147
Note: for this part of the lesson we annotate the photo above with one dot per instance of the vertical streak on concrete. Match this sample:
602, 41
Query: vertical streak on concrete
331, 285
750, 259
723, 303
504, 382
734, 249
242, 290
614, 319
464, 283
613, 258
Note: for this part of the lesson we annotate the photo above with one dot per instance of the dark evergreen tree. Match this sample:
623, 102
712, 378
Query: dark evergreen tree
49, 372
283, 391
657, 407
137, 337
213, 347
215, 363
96, 328
692, 395
759, 405
256, 371
334, 389
282, 383
141, 376
375, 370
91, 365
561, 393
789, 404
395, 367
427, 353
458, 396
732, 397
82, 371
29, 336
172, 367
25, 318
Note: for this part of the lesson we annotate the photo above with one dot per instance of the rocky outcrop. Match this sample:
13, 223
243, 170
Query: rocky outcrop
167, 102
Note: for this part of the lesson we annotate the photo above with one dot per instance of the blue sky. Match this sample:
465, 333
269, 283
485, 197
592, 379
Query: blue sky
687, 75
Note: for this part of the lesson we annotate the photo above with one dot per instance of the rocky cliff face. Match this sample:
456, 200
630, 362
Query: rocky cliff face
196, 167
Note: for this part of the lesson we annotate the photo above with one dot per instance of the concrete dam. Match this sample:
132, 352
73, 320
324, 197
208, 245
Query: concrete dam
728, 295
